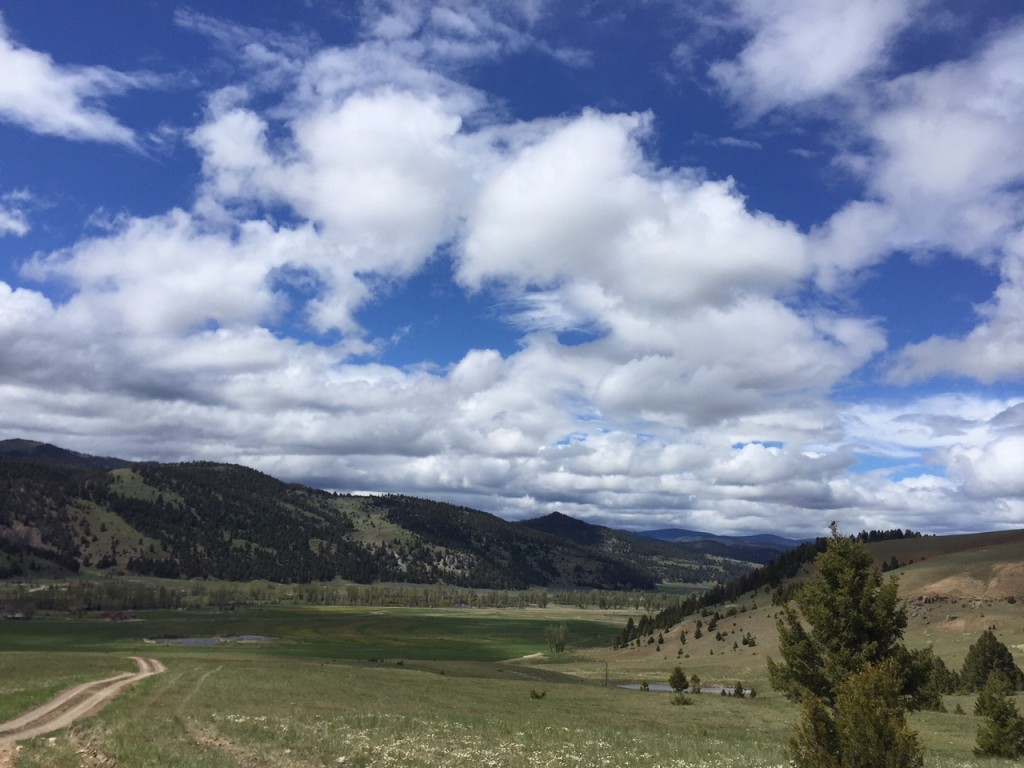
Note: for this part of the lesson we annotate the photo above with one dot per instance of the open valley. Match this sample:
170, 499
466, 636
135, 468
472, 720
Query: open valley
459, 686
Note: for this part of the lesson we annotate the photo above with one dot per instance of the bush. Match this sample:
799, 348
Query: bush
1002, 733
678, 680
987, 655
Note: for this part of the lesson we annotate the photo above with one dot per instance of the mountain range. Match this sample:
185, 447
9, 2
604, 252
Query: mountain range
62, 511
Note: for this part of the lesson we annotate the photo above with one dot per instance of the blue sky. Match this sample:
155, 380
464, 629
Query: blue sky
738, 265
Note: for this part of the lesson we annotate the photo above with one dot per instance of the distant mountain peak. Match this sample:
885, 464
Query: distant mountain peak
566, 527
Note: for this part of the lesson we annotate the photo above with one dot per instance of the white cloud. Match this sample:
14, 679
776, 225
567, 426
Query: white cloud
945, 167
373, 154
66, 101
270, 59
808, 50
13, 216
992, 351
704, 394
945, 174
455, 32
992, 470
582, 204
165, 276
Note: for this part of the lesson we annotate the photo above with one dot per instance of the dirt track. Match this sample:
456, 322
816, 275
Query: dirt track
73, 704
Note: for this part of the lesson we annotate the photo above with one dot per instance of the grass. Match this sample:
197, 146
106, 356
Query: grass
448, 687
226, 709
330, 633
231, 711
28, 678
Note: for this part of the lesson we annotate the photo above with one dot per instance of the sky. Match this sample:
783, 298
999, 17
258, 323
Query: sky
732, 265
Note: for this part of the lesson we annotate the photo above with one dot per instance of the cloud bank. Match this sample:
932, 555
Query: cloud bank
680, 357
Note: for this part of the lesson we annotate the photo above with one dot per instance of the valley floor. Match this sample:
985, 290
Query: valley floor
408, 687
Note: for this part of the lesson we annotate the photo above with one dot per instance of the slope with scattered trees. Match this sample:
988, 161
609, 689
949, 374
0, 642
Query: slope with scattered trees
61, 511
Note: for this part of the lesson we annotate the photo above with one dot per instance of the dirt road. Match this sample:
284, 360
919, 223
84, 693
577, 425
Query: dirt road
74, 704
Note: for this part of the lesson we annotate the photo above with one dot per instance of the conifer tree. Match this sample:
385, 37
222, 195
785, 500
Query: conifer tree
986, 655
840, 657
1002, 733
678, 680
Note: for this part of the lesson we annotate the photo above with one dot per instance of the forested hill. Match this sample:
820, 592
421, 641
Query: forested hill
706, 560
61, 511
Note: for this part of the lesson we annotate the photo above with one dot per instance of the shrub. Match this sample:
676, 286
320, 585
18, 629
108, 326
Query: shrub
987, 655
678, 680
1002, 733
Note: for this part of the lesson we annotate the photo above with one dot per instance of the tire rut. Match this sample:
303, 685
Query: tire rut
74, 704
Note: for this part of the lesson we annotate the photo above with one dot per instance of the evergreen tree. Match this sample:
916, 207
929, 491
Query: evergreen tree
1002, 733
996, 688
987, 655
871, 728
678, 680
840, 657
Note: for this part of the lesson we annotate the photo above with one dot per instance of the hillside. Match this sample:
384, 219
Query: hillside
760, 548
61, 511
696, 560
979, 566
955, 588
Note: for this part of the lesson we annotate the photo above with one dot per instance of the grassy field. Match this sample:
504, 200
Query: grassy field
28, 678
445, 687
324, 633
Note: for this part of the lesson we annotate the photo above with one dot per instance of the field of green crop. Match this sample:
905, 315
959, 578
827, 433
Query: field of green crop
401, 687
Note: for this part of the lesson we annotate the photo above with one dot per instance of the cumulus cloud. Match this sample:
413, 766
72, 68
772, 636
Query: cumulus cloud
991, 470
583, 203
65, 101
803, 51
380, 172
945, 175
184, 309
944, 170
992, 351
702, 389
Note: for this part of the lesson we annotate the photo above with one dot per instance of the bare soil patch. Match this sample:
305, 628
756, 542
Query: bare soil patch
71, 705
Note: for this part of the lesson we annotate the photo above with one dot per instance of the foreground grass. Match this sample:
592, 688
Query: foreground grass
236, 711
29, 678
244, 712
440, 691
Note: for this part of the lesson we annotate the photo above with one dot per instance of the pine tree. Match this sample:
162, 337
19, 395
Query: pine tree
840, 660
986, 655
1002, 733
678, 680
871, 721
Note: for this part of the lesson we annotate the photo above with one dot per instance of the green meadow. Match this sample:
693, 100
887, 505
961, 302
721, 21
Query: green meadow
401, 687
